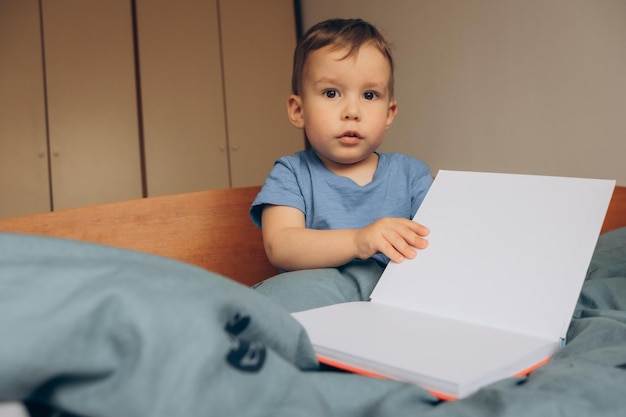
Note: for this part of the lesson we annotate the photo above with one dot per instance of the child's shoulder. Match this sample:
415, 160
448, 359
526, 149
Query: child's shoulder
298, 165
303, 156
305, 159
401, 159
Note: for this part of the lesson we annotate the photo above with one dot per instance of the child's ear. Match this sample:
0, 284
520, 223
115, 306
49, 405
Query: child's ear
392, 110
294, 111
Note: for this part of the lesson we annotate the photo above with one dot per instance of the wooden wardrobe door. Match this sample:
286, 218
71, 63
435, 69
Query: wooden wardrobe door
24, 187
92, 101
258, 40
182, 96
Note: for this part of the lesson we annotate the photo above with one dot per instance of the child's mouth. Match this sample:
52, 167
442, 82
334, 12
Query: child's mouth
349, 137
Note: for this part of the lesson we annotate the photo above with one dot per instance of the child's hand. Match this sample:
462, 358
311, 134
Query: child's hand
394, 237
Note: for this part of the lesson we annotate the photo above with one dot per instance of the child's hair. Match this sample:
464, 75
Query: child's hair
340, 33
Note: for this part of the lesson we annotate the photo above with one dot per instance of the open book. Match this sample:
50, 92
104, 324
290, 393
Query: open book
491, 297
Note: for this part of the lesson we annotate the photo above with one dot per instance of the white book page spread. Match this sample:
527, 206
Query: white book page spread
508, 251
440, 354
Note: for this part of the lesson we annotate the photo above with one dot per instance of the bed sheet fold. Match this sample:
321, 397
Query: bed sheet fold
97, 331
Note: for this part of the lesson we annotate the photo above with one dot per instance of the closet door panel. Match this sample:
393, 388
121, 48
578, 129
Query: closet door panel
258, 39
92, 109
24, 187
182, 96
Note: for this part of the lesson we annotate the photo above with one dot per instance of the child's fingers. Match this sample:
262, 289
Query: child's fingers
420, 229
406, 240
397, 255
401, 245
396, 238
413, 234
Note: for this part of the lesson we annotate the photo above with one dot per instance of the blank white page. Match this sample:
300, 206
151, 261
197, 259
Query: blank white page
448, 356
510, 251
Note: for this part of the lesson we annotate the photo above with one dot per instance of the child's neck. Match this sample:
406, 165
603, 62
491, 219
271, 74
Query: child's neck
361, 172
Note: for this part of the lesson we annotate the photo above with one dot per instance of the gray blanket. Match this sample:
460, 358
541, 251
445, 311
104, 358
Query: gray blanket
97, 331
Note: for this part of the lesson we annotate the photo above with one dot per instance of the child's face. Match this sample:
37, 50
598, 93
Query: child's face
345, 104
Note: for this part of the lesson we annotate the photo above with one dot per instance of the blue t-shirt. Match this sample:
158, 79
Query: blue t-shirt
330, 201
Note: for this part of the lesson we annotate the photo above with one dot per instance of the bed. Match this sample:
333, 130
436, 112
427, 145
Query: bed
143, 308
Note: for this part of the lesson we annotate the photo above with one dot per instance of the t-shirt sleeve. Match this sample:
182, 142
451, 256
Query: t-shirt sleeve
281, 188
421, 182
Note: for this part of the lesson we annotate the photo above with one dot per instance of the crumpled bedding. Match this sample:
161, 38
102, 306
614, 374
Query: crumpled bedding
97, 331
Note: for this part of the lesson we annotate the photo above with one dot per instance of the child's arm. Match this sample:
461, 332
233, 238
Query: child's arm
291, 246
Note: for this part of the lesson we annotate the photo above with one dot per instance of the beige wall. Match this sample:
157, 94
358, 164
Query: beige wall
526, 86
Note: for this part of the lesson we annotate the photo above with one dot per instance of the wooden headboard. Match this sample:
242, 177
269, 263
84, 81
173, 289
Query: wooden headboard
210, 229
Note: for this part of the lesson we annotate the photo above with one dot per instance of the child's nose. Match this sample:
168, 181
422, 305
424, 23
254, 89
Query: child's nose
351, 111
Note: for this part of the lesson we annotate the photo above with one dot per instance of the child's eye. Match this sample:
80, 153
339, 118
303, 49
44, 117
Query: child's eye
331, 93
370, 95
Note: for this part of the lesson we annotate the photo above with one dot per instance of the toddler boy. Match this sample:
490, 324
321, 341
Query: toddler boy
336, 214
